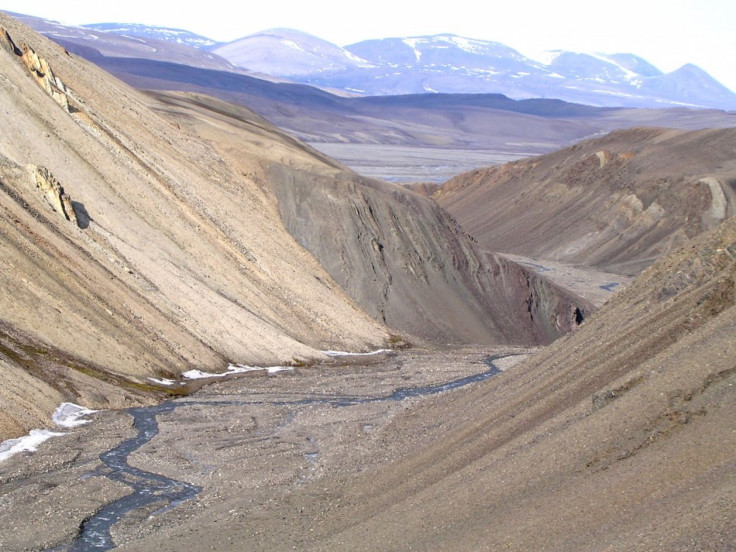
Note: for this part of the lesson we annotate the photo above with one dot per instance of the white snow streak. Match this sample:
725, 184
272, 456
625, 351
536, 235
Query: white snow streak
29, 443
344, 353
162, 381
235, 369
70, 414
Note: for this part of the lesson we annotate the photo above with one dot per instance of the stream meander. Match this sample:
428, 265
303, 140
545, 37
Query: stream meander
151, 488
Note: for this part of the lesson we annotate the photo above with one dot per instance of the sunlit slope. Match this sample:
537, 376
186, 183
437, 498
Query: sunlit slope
148, 234
163, 256
616, 202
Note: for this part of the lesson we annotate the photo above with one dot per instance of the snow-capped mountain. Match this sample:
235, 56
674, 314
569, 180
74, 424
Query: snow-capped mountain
448, 63
166, 34
438, 51
289, 53
443, 63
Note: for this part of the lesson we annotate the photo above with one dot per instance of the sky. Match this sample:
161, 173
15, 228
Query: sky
667, 33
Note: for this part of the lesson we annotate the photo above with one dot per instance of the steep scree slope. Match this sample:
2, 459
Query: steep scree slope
141, 238
176, 260
618, 436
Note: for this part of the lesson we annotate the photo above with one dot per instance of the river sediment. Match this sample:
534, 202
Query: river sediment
223, 453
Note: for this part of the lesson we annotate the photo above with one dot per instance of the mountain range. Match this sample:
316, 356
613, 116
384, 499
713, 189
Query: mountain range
443, 63
448, 63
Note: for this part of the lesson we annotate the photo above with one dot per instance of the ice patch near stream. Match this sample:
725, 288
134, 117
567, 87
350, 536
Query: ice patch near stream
345, 353
67, 415
29, 443
234, 369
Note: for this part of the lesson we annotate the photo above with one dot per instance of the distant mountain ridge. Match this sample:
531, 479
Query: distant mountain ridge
448, 63
285, 52
443, 63
168, 34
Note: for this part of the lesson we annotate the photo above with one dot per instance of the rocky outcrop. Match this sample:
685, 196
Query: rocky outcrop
53, 192
45, 77
39, 69
7, 43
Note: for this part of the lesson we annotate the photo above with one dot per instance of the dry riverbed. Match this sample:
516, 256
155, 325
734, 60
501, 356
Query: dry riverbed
247, 441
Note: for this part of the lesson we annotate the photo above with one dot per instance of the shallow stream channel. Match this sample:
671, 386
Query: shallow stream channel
167, 493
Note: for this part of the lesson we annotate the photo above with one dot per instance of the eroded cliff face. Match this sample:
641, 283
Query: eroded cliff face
410, 265
399, 256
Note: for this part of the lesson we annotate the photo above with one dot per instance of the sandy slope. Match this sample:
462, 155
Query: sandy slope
616, 202
144, 235
182, 260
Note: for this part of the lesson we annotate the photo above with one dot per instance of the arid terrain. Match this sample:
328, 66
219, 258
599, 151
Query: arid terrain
539, 358
617, 202
616, 437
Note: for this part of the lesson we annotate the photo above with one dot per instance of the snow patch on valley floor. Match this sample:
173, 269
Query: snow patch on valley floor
67, 415
234, 369
29, 443
70, 415
345, 353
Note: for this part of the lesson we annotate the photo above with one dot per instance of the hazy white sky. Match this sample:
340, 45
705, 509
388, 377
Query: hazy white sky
667, 33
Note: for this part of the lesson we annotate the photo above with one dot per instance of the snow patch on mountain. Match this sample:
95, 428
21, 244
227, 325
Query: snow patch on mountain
412, 43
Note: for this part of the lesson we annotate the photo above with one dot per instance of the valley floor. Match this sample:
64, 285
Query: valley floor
404, 164
248, 442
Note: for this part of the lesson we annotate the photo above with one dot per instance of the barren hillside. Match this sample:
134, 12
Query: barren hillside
617, 202
618, 436
143, 236
172, 258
